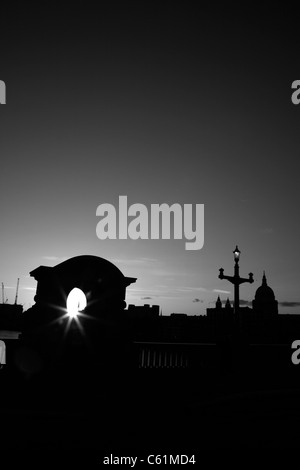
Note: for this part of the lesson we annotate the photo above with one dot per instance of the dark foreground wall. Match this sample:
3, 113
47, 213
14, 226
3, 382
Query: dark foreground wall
228, 397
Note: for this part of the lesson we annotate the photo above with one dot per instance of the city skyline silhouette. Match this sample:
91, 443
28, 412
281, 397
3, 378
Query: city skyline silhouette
233, 355
227, 296
158, 352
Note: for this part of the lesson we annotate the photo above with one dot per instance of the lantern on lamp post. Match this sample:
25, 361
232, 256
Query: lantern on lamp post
236, 280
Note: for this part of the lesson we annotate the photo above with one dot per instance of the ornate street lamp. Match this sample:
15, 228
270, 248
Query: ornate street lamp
236, 280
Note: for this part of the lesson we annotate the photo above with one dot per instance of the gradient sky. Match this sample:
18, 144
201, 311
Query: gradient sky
162, 105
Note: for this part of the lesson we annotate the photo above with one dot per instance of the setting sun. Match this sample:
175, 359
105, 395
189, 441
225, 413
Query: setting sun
76, 302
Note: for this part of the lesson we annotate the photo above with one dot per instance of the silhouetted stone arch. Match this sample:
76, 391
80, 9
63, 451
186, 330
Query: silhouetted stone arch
101, 281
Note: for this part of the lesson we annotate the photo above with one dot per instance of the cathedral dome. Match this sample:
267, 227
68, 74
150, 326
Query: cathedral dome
264, 293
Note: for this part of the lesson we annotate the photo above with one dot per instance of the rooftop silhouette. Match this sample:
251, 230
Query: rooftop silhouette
80, 337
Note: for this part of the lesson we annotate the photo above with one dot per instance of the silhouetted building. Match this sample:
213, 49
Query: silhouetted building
11, 316
102, 282
220, 313
106, 334
98, 336
142, 311
265, 303
253, 324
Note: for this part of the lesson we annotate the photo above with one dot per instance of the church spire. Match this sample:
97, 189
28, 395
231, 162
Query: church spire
218, 302
264, 279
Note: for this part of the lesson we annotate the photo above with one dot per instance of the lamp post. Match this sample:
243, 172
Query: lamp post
236, 280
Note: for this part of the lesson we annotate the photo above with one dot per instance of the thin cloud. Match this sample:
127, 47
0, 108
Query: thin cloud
145, 292
149, 260
134, 294
53, 258
190, 289
222, 291
164, 273
153, 266
242, 302
289, 304
245, 302
135, 261
139, 293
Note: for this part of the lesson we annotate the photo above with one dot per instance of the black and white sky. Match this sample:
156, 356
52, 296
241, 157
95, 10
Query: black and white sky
163, 103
